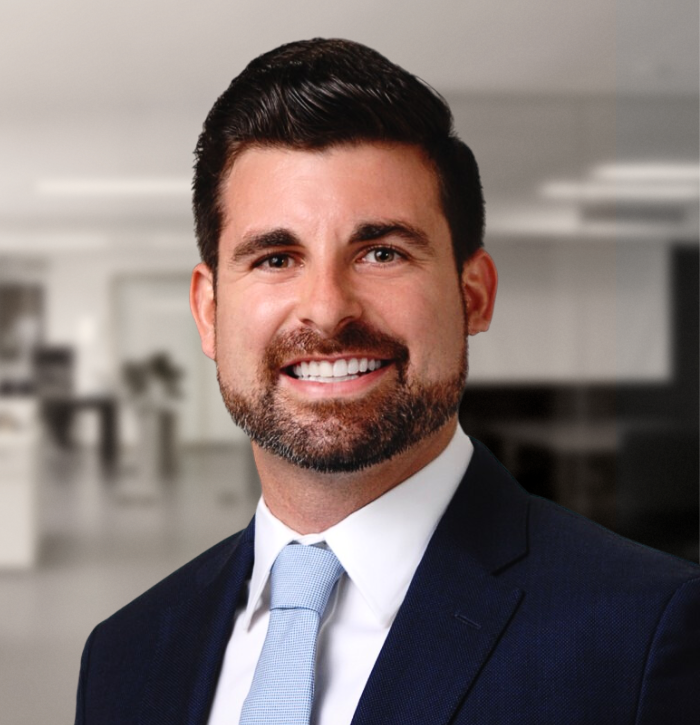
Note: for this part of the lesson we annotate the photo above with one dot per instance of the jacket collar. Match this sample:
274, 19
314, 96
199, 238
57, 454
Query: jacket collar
457, 607
193, 637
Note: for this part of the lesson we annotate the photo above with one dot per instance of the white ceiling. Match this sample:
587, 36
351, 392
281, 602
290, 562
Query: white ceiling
107, 89
58, 53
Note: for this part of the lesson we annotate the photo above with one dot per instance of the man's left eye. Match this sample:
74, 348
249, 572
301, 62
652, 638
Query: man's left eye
381, 255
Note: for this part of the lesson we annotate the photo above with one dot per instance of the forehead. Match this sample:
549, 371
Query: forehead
279, 185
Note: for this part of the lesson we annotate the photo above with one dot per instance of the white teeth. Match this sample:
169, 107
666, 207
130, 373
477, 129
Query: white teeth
337, 371
340, 368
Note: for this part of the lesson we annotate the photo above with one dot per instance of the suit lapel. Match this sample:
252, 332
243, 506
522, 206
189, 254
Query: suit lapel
193, 639
456, 607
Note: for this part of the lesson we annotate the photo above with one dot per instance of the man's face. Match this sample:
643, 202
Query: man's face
339, 326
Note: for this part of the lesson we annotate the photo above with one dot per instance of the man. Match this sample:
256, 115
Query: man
340, 224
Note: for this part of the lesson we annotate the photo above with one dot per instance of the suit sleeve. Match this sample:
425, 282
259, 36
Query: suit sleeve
80, 716
671, 688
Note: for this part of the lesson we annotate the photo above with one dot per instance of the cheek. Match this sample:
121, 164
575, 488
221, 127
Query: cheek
443, 350
246, 322
431, 323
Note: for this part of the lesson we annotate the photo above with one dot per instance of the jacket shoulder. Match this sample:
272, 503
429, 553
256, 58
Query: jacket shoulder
595, 553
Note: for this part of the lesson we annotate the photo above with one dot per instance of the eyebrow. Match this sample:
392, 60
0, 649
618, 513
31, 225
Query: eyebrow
256, 243
371, 231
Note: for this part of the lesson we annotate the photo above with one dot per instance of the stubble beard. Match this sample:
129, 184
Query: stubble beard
344, 436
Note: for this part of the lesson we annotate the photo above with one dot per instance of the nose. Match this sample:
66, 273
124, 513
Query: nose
328, 300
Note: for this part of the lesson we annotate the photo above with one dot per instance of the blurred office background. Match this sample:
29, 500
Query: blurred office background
118, 461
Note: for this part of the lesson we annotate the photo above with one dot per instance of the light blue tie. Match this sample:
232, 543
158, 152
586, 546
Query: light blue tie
282, 692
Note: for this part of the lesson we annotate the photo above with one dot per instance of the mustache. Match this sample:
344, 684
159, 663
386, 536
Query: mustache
356, 337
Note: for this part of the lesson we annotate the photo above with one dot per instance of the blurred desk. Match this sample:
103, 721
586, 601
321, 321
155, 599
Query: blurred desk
59, 412
572, 445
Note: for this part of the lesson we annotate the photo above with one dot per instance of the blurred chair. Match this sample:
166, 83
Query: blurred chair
53, 374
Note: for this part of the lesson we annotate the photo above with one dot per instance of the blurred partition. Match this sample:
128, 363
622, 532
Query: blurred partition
19, 458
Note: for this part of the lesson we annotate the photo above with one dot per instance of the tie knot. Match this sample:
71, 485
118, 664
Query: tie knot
303, 578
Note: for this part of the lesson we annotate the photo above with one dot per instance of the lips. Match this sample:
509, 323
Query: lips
334, 371
356, 351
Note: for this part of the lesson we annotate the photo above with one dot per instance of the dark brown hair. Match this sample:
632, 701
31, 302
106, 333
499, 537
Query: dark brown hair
314, 94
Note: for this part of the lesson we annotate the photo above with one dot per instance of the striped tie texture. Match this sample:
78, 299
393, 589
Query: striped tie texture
282, 692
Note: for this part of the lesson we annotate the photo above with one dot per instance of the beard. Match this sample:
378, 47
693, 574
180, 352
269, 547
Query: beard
343, 436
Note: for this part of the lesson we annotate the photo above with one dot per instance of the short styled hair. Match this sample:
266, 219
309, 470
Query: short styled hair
320, 93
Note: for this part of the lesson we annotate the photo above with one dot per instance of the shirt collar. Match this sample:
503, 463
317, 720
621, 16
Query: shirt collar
376, 548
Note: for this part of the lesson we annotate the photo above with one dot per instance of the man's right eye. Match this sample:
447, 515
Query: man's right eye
275, 261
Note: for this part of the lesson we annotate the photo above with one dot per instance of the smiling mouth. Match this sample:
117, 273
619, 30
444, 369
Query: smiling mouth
334, 371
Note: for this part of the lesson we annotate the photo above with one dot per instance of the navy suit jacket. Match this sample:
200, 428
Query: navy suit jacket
520, 612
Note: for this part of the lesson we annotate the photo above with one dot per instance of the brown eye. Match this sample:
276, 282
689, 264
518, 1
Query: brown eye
381, 255
276, 261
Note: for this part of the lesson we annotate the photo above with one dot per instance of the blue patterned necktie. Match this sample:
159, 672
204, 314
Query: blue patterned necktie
282, 692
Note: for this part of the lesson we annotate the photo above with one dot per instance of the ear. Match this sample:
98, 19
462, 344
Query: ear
203, 306
479, 283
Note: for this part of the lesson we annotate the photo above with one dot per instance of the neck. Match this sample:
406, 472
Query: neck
309, 502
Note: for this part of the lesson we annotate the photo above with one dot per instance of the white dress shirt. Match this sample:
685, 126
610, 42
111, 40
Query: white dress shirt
379, 547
